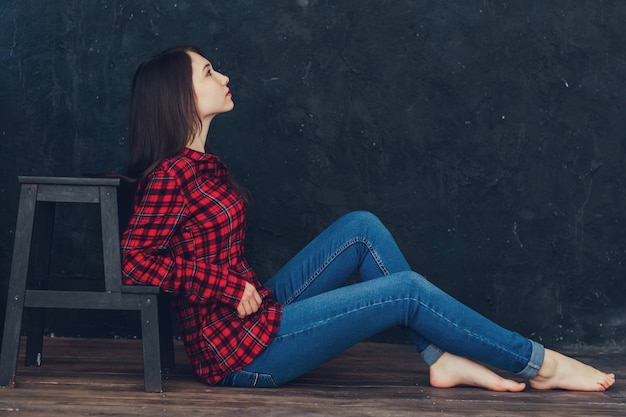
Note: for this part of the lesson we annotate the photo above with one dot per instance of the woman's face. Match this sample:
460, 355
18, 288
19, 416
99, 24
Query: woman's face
212, 93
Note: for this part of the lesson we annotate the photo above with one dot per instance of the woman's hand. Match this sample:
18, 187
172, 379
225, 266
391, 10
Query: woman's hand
250, 301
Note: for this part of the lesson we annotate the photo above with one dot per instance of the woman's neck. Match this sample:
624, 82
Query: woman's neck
198, 142
197, 145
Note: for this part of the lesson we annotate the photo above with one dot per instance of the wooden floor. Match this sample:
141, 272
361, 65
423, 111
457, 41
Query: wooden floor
96, 377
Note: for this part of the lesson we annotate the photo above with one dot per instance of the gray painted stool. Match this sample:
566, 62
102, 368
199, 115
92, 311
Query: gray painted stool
30, 270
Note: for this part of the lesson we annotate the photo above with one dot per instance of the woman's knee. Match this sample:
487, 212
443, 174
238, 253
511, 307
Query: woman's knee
363, 220
360, 215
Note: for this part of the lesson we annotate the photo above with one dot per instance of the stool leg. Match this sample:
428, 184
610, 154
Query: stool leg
17, 285
150, 341
35, 323
38, 279
166, 333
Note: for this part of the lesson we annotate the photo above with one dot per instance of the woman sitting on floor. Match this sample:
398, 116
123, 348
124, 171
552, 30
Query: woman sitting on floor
187, 232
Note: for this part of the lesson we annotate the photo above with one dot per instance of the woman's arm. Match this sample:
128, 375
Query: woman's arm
147, 256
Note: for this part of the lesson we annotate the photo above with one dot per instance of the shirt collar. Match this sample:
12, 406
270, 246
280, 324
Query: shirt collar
195, 155
210, 162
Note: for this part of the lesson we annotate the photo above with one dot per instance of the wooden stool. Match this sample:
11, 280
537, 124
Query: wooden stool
31, 261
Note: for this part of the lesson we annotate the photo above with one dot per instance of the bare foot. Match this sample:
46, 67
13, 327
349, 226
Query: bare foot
451, 370
562, 372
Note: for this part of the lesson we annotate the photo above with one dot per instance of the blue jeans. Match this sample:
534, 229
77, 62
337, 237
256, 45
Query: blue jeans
323, 316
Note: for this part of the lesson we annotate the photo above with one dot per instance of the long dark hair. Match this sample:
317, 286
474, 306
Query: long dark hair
163, 113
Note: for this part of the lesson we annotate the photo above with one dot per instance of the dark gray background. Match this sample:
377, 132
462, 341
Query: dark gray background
489, 136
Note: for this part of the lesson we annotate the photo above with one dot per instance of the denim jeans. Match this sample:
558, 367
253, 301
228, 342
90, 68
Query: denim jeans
323, 316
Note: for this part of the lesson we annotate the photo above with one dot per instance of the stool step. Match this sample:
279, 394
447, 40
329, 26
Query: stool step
85, 300
108, 182
140, 289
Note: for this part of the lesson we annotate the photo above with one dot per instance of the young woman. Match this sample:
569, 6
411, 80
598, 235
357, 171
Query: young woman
186, 235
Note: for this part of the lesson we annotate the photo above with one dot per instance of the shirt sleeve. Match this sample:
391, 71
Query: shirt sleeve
147, 257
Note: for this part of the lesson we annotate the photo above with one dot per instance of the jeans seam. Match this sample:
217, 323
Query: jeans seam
352, 310
321, 322
471, 333
334, 256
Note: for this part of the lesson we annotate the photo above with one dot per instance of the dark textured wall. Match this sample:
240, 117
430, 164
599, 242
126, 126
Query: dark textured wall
489, 136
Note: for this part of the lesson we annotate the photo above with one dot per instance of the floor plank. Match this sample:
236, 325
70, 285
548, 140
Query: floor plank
96, 377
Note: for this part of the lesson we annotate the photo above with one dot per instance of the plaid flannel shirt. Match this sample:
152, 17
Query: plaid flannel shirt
186, 235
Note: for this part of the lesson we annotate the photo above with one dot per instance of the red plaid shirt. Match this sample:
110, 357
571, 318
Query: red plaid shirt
186, 235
